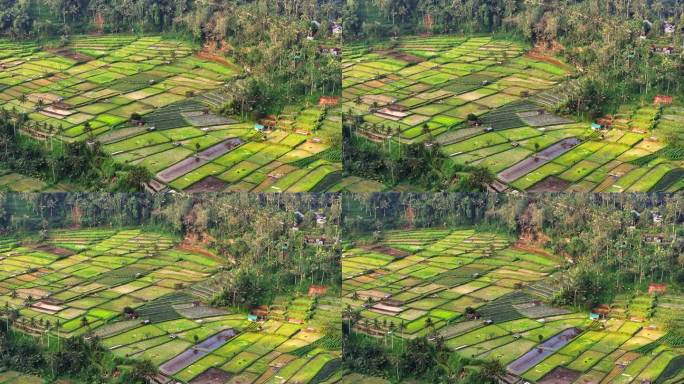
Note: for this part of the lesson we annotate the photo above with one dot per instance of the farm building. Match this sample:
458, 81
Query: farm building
257, 313
45, 307
322, 240
655, 288
653, 238
270, 121
657, 218
663, 100
316, 290
334, 51
669, 28
328, 100
601, 311
663, 50
391, 114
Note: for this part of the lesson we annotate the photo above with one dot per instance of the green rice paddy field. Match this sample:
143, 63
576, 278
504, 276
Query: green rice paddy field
417, 282
82, 282
92, 88
420, 89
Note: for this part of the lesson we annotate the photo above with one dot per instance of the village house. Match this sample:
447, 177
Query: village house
320, 240
334, 51
269, 121
655, 288
317, 290
320, 219
328, 100
669, 28
600, 312
657, 218
663, 100
258, 313
653, 238
663, 50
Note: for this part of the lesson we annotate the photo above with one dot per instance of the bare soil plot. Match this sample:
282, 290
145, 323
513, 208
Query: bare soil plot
212, 376
560, 375
197, 352
185, 166
530, 164
209, 184
550, 184
533, 357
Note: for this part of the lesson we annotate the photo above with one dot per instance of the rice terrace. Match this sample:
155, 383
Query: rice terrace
483, 296
144, 296
494, 103
150, 101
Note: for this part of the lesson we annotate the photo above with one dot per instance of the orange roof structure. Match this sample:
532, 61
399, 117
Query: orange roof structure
317, 290
328, 100
660, 99
657, 288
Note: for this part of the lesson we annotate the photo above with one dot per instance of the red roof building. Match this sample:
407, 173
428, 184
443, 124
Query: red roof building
660, 99
657, 288
328, 100
317, 290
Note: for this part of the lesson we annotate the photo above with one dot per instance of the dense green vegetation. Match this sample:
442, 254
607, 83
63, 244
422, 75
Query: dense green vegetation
85, 361
417, 165
53, 161
417, 359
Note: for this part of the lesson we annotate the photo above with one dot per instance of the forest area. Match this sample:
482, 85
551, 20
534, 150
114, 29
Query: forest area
54, 161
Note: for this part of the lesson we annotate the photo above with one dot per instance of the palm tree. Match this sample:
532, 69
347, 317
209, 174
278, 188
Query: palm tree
392, 328
493, 370
57, 326
88, 130
428, 322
